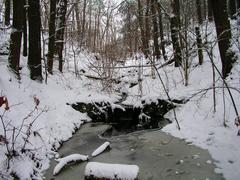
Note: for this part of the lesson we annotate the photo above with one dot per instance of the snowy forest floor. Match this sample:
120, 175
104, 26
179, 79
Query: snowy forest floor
54, 121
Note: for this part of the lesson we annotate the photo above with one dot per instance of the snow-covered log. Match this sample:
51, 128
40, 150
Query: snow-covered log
64, 161
95, 170
101, 148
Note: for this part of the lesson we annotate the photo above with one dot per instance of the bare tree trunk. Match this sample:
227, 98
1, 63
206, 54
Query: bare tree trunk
83, 22
25, 34
51, 42
210, 10
147, 19
204, 10
232, 8
224, 35
238, 4
7, 12
60, 31
199, 45
197, 31
175, 24
155, 30
140, 21
161, 29
16, 36
78, 22
199, 11
34, 58
89, 43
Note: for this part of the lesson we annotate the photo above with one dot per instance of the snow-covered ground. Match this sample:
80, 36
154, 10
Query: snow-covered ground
53, 121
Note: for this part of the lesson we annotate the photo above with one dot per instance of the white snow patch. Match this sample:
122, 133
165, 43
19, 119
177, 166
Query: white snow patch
64, 161
112, 171
100, 149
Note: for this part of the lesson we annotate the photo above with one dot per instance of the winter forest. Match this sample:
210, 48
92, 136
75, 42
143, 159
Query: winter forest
120, 89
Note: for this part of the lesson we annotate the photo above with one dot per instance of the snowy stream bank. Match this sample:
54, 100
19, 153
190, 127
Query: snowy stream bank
157, 154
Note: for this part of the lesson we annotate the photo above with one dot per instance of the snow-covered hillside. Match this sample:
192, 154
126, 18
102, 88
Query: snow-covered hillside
44, 127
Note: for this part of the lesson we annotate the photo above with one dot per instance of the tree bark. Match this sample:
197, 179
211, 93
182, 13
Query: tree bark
140, 21
155, 30
199, 45
199, 11
210, 11
224, 35
161, 29
60, 31
7, 12
238, 4
34, 58
83, 23
198, 33
147, 34
232, 8
78, 22
25, 34
52, 29
16, 36
175, 24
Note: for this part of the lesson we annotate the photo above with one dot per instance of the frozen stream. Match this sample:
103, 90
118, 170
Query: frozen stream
159, 156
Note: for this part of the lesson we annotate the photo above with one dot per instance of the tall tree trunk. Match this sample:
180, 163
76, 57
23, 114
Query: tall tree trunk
175, 24
197, 31
140, 21
238, 4
210, 10
78, 22
161, 29
25, 34
232, 8
16, 36
204, 10
147, 19
60, 32
224, 35
52, 29
7, 12
90, 25
199, 11
83, 22
199, 45
34, 58
155, 29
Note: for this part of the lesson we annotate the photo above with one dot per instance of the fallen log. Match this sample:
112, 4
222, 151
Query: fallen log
106, 171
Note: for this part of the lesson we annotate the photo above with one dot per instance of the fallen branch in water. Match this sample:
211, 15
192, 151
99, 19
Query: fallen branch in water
68, 159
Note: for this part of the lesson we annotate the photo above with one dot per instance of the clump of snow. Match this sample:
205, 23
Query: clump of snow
64, 161
100, 149
111, 171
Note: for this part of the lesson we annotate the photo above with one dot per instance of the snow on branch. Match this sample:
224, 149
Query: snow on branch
96, 170
64, 161
101, 149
